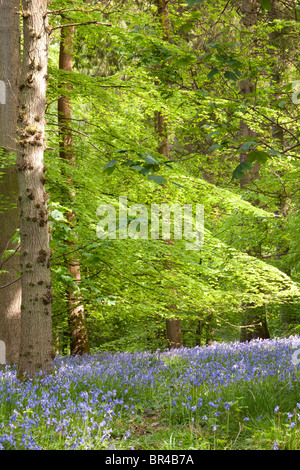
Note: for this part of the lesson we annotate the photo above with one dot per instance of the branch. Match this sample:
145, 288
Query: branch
279, 255
82, 133
12, 282
79, 24
10, 256
6, 248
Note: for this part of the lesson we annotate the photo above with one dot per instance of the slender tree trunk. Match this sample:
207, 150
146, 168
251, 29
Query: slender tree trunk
277, 65
254, 316
199, 332
249, 19
36, 352
174, 335
209, 329
10, 296
162, 121
173, 328
276, 40
79, 343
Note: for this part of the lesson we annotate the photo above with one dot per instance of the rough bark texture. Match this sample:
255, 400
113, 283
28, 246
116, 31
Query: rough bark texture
10, 296
36, 324
79, 343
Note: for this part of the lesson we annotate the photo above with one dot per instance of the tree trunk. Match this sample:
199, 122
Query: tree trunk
275, 38
254, 324
174, 335
173, 328
79, 343
36, 352
199, 332
249, 19
254, 316
10, 296
162, 121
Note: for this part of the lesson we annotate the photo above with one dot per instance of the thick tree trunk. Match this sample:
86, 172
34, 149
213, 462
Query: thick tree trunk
79, 343
10, 296
36, 352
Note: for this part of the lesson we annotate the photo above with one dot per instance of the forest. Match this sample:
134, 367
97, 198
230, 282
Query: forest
149, 213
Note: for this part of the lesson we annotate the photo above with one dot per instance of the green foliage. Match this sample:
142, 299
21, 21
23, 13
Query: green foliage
126, 73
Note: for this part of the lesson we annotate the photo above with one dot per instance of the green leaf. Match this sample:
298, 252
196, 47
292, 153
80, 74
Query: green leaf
122, 151
213, 72
179, 185
258, 156
240, 170
205, 57
150, 160
145, 170
157, 179
230, 75
191, 3
214, 147
128, 163
110, 166
57, 215
7, 253
136, 167
266, 4
247, 145
274, 152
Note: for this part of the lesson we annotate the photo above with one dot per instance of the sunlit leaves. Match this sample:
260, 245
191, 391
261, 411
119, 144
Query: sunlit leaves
145, 164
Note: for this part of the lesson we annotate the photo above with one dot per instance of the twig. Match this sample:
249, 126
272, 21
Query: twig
6, 248
12, 282
241, 427
10, 256
79, 24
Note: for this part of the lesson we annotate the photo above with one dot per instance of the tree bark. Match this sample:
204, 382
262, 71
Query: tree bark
10, 296
36, 353
79, 343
